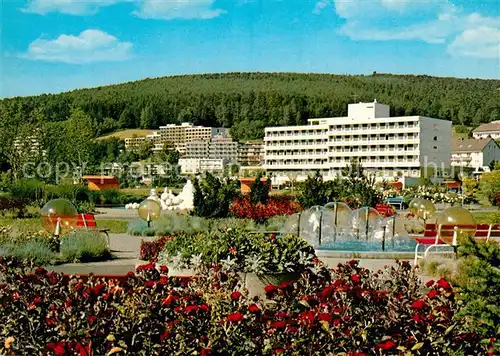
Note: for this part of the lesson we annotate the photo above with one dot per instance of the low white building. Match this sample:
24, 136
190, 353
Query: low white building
201, 165
383, 144
474, 153
488, 130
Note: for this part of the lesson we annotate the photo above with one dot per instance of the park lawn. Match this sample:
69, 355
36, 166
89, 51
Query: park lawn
487, 217
114, 226
127, 133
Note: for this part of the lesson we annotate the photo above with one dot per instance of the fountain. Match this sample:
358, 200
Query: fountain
336, 227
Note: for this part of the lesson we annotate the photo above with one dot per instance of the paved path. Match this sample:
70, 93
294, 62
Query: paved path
123, 246
126, 250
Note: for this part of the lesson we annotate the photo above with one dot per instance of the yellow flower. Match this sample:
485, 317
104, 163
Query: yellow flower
114, 350
9, 341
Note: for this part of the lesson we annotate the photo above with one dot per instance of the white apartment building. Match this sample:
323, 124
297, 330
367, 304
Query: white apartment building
474, 153
251, 153
197, 149
156, 140
179, 135
132, 143
382, 144
488, 130
201, 165
225, 148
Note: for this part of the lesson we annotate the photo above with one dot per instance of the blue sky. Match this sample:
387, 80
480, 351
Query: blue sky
51, 46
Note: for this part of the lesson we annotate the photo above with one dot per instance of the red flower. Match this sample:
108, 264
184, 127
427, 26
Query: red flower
205, 352
429, 283
168, 300
40, 271
235, 317
388, 345
325, 317
149, 284
326, 293
83, 350
443, 283
278, 324
253, 308
269, 289
92, 319
130, 274
307, 318
279, 350
291, 329
355, 278
232, 251
235, 295
432, 294
96, 290
204, 307
60, 349
418, 304
164, 269
418, 318
191, 309
164, 334
283, 285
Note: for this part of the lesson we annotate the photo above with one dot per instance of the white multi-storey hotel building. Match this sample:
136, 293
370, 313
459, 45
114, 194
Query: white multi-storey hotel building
382, 144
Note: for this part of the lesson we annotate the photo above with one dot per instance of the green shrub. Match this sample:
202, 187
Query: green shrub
259, 190
83, 246
213, 196
140, 227
171, 223
39, 251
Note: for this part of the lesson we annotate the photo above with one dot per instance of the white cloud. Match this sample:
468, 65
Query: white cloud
71, 7
89, 46
178, 9
147, 9
436, 21
481, 42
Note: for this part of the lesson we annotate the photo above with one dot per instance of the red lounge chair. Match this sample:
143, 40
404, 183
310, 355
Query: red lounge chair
88, 222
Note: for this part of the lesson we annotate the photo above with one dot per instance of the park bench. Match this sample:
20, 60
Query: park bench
88, 222
435, 235
396, 201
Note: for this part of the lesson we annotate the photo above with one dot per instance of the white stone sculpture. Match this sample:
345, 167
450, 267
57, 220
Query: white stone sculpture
169, 201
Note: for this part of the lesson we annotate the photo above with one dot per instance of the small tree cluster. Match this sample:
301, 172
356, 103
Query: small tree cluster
213, 196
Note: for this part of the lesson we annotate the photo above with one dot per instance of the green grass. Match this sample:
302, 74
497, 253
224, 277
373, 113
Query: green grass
114, 226
487, 218
127, 133
32, 224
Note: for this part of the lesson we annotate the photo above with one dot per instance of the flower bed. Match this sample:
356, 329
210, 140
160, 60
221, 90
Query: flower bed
243, 207
150, 250
239, 250
347, 311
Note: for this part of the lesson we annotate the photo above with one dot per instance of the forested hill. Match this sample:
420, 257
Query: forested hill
248, 102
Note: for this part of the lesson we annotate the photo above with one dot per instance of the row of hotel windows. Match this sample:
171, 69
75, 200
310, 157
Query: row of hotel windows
333, 128
325, 142
379, 159
375, 126
354, 138
383, 148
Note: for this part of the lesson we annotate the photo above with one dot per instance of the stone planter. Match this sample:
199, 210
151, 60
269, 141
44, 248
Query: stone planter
276, 279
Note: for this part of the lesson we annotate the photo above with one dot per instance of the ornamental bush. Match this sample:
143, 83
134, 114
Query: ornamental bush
243, 207
345, 311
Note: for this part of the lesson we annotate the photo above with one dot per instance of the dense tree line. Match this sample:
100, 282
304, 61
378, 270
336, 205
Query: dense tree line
247, 102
